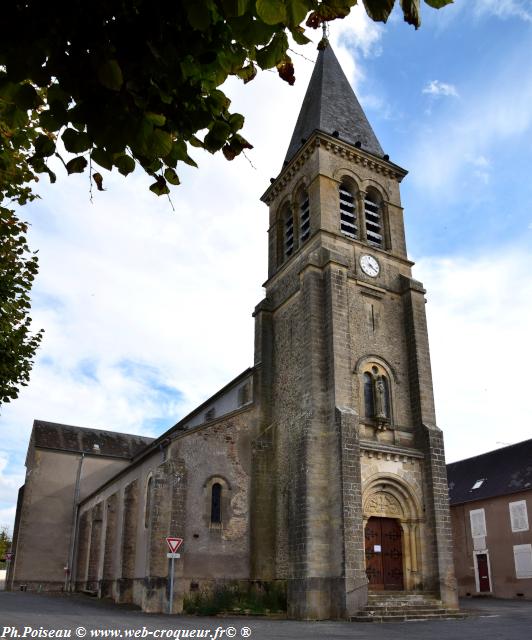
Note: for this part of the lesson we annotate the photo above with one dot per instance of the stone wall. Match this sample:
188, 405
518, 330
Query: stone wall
122, 527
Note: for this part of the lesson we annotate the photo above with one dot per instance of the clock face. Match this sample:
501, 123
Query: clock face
370, 266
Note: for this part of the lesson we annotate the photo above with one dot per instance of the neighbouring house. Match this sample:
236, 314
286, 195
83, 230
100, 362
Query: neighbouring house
491, 499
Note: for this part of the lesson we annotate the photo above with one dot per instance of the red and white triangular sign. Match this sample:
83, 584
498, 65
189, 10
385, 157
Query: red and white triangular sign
174, 544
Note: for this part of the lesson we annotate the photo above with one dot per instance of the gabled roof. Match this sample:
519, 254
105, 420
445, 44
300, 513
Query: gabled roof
65, 437
496, 473
330, 105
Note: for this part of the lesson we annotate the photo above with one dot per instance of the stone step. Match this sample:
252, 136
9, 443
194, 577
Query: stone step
404, 599
380, 611
405, 617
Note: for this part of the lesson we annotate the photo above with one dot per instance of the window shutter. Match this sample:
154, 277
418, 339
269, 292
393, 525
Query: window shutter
478, 523
348, 219
523, 560
304, 218
372, 212
518, 516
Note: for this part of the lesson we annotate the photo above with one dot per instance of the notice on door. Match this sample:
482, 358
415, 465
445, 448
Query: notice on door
377, 548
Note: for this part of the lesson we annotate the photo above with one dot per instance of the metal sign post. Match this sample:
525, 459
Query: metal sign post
173, 545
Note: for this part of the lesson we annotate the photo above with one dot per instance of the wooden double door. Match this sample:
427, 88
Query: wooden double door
384, 554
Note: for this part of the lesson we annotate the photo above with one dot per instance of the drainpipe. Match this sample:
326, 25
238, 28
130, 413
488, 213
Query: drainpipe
73, 530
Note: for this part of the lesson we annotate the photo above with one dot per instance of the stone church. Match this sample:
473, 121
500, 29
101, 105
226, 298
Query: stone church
321, 468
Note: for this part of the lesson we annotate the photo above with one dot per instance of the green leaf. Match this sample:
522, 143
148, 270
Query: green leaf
110, 75
247, 73
44, 146
297, 11
271, 11
196, 142
234, 8
217, 136
198, 14
171, 176
273, 53
160, 143
76, 165
102, 157
53, 120
299, 36
158, 119
75, 141
159, 187
236, 122
125, 164
379, 10
25, 97
56, 94
438, 4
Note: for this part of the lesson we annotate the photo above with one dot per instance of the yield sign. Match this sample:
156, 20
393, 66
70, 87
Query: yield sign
174, 544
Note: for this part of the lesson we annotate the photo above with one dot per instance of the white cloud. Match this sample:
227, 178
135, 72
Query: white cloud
480, 313
504, 9
488, 116
437, 88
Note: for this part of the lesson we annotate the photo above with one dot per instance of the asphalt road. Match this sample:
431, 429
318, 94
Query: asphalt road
32, 615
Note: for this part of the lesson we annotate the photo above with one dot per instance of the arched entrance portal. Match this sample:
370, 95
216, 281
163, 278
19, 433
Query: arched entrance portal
384, 554
394, 529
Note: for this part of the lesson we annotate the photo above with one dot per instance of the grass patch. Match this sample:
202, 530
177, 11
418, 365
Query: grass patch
230, 598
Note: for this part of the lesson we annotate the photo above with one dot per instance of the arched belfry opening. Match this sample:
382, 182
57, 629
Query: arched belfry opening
393, 523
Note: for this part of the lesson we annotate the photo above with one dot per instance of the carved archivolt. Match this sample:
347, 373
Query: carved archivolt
388, 496
384, 505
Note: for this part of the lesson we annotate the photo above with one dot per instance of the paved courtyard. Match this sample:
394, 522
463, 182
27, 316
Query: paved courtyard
32, 615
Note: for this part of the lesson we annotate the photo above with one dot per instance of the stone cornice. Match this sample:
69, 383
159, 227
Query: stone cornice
338, 147
386, 452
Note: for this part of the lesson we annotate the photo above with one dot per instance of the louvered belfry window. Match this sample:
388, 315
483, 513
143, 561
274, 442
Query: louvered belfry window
304, 216
348, 218
288, 233
372, 212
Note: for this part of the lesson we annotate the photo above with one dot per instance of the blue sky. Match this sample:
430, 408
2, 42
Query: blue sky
147, 311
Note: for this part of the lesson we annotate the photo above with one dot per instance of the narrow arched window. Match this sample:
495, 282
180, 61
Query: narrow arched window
304, 216
369, 399
216, 503
373, 215
288, 233
348, 218
148, 502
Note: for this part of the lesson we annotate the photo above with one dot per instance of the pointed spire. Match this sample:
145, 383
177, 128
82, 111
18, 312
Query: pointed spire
330, 105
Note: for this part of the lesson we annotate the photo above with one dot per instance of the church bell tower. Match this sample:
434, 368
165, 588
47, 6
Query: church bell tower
349, 485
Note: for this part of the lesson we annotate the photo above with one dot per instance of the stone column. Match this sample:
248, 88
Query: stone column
93, 577
129, 542
110, 555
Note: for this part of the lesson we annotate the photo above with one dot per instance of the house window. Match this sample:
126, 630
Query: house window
518, 516
216, 503
373, 215
348, 218
288, 233
304, 216
523, 560
478, 523
148, 502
